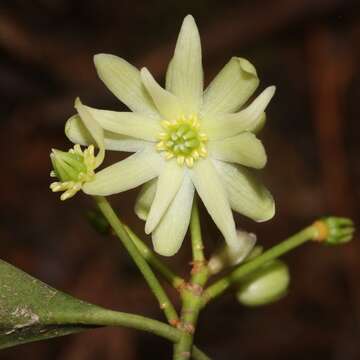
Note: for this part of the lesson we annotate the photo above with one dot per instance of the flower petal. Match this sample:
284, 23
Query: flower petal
124, 81
219, 126
126, 174
145, 199
211, 191
78, 134
168, 185
187, 71
246, 194
169, 234
226, 256
231, 88
245, 149
133, 124
168, 104
95, 130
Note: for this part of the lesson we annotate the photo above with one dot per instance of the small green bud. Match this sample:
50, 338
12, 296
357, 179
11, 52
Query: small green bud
225, 256
334, 230
73, 169
265, 285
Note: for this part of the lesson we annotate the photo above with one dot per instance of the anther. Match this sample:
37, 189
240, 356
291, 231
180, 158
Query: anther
180, 160
189, 162
165, 124
169, 155
160, 146
195, 155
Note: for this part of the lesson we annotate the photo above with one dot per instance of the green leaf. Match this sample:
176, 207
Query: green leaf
31, 310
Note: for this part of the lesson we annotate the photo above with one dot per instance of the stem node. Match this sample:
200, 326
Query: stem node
185, 354
195, 289
197, 266
186, 327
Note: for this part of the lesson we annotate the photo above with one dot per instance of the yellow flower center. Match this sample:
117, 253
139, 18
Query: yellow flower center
183, 140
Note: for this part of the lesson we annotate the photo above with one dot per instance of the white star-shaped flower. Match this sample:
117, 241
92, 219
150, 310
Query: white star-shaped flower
184, 139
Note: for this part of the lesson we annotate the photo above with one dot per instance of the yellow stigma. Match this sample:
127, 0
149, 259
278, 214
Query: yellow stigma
183, 140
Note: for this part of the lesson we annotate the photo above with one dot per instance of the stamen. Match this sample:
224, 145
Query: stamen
189, 161
183, 140
169, 155
180, 160
195, 154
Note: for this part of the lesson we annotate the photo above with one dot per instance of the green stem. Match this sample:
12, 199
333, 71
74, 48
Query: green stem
192, 292
196, 239
104, 317
141, 263
173, 279
223, 284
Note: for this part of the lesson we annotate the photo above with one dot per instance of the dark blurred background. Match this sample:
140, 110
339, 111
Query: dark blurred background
308, 48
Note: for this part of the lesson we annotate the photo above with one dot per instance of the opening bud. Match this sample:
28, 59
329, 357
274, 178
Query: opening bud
226, 256
334, 230
73, 168
265, 285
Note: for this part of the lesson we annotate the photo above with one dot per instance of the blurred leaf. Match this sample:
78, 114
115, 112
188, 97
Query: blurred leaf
31, 310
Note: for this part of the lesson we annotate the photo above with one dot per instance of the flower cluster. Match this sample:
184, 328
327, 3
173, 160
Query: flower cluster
184, 139
73, 169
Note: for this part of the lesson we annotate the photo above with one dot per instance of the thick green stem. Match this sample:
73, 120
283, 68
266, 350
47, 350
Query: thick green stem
223, 284
173, 279
192, 292
141, 263
104, 317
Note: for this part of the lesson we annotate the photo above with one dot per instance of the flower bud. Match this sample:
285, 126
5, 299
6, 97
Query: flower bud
334, 230
73, 169
265, 285
226, 256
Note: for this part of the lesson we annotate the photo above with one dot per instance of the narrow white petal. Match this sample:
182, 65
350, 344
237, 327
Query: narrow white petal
167, 104
246, 194
169, 234
78, 134
125, 143
95, 130
220, 125
187, 71
168, 185
231, 88
124, 81
213, 195
245, 149
145, 199
137, 125
126, 174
